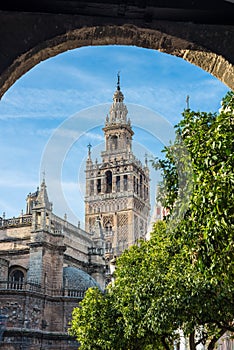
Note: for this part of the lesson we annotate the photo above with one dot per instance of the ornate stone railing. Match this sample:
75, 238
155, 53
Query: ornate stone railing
37, 288
16, 222
95, 251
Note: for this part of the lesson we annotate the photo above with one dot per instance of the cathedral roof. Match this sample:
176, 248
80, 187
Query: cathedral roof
74, 278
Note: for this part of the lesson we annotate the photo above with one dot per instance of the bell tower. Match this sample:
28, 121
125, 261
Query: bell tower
117, 189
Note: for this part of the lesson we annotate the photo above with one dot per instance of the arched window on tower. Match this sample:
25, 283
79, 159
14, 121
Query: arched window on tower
108, 247
91, 189
113, 142
134, 184
17, 277
140, 185
108, 229
117, 183
108, 181
99, 186
125, 182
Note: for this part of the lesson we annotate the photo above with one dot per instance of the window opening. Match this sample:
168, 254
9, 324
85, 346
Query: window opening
117, 183
91, 187
125, 182
108, 181
99, 186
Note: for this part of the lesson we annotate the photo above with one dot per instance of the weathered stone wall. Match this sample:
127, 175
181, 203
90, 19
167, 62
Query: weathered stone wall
9, 233
4, 266
14, 247
34, 318
37, 311
76, 247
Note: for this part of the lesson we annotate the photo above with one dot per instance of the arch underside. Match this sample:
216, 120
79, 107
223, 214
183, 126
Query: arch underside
209, 61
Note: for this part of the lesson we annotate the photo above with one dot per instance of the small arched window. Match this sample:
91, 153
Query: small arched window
108, 247
113, 142
117, 187
141, 185
99, 186
108, 229
91, 188
108, 181
125, 182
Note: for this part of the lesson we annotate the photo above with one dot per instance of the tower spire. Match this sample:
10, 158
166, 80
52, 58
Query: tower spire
89, 150
118, 81
187, 101
43, 176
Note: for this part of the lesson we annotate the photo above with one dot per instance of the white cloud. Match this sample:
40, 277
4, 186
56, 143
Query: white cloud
12, 179
94, 136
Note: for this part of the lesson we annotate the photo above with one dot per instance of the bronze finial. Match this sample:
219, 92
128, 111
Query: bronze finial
89, 149
187, 101
118, 82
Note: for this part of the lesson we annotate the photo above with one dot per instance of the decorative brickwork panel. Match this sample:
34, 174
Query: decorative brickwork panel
142, 231
108, 219
122, 231
121, 203
108, 205
136, 228
92, 222
139, 206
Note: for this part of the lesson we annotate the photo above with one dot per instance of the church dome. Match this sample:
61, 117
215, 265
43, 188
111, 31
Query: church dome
76, 279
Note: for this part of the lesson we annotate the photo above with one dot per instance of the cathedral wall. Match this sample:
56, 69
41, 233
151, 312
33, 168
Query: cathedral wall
55, 311
14, 258
35, 265
22, 311
4, 265
14, 245
76, 241
53, 268
23, 232
35, 320
36, 311
18, 260
46, 260
37, 340
77, 246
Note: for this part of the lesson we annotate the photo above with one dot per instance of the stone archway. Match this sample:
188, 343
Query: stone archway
206, 46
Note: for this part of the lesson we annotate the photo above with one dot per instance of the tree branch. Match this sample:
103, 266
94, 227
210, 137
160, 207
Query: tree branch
192, 344
163, 339
214, 340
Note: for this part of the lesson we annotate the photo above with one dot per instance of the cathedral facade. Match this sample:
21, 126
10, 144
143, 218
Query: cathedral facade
47, 263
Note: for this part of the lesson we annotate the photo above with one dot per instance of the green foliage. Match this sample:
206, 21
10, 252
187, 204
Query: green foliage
96, 323
182, 279
206, 228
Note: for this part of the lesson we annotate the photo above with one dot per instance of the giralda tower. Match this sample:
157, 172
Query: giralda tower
117, 188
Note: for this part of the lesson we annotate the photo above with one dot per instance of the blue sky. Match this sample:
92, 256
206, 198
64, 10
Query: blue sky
49, 115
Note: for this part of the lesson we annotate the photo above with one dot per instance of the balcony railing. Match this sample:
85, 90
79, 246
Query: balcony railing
16, 222
10, 285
